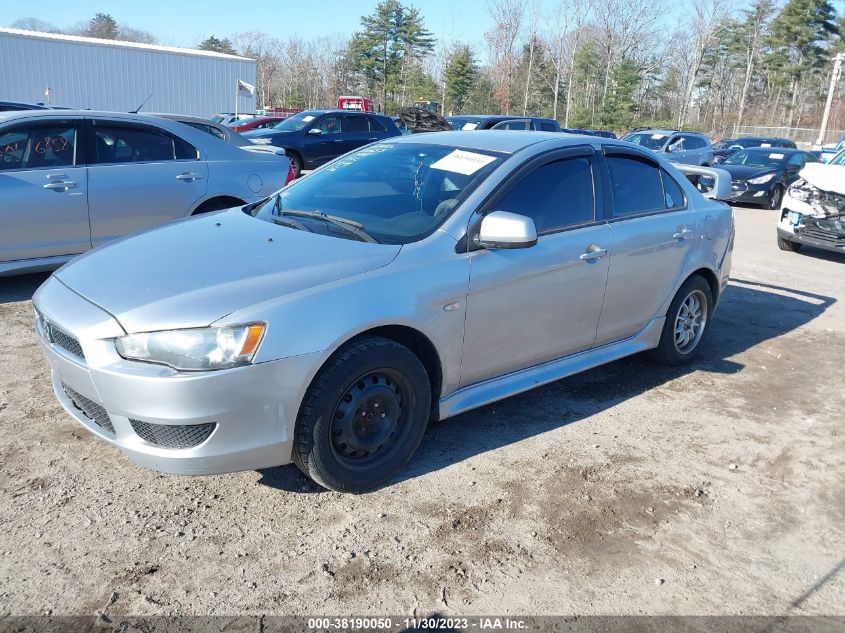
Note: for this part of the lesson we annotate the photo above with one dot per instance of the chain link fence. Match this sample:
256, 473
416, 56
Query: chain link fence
803, 136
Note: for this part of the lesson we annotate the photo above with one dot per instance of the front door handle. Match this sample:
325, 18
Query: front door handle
683, 233
61, 185
593, 253
338, 140
188, 176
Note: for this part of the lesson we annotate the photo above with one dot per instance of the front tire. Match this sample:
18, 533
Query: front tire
788, 245
775, 198
296, 163
363, 416
687, 322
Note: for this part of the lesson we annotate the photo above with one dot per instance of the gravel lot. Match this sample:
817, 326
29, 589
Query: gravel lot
629, 489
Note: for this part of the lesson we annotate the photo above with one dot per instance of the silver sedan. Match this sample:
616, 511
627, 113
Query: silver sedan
413, 279
71, 180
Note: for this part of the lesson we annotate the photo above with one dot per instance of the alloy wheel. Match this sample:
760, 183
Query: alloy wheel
690, 321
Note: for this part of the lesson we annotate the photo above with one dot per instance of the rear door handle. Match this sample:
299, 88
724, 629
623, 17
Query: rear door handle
593, 253
683, 234
188, 177
60, 186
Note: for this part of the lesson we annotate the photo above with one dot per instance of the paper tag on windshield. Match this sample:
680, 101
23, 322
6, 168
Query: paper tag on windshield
469, 126
461, 162
308, 118
776, 156
657, 136
765, 144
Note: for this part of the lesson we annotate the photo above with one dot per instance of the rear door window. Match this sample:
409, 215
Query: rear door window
635, 184
376, 125
42, 146
356, 125
139, 144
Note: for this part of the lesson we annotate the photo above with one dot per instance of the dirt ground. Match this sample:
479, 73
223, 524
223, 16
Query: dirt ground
629, 489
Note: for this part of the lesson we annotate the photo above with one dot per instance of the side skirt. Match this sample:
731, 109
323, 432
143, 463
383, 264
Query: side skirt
22, 266
482, 393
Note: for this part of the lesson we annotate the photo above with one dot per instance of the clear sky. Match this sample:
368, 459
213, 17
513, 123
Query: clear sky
187, 22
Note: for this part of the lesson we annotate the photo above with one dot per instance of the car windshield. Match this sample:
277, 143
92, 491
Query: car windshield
295, 122
723, 144
757, 158
396, 193
218, 118
650, 140
839, 159
463, 124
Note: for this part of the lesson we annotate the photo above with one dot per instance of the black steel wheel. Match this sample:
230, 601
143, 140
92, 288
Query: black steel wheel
363, 416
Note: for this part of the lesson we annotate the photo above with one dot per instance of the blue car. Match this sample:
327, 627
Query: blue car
314, 137
827, 152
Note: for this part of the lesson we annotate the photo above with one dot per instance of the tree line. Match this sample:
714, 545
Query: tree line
610, 64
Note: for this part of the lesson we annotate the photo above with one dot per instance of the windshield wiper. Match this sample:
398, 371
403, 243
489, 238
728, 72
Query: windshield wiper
356, 228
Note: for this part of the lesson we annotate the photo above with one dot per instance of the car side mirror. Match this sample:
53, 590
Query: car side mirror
315, 130
674, 147
501, 229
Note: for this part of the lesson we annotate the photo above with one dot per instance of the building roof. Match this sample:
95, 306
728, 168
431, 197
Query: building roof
61, 37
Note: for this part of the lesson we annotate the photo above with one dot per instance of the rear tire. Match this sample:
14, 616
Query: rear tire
363, 416
788, 245
687, 323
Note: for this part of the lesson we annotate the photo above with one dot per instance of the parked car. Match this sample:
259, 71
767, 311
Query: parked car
257, 123
228, 118
814, 208
400, 125
601, 133
74, 179
689, 148
761, 176
327, 324
826, 153
730, 146
218, 130
314, 137
501, 122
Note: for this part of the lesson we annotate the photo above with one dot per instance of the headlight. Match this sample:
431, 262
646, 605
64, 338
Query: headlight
761, 180
199, 349
260, 141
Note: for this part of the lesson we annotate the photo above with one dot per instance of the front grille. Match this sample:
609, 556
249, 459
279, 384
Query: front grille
63, 340
173, 435
821, 235
93, 411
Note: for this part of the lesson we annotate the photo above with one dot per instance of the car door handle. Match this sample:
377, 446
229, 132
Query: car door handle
374, 138
593, 253
338, 140
60, 186
188, 177
683, 234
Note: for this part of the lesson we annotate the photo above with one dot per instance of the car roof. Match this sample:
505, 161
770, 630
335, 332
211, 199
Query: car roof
779, 150
503, 141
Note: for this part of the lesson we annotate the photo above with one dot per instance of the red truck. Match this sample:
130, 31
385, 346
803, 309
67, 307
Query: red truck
350, 102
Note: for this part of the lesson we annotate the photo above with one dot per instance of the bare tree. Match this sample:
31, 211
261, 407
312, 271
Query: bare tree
501, 40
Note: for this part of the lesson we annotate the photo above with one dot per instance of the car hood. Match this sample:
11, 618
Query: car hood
825, 177
745, 172
195, 272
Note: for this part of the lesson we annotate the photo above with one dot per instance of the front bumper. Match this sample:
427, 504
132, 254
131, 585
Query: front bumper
796, 224
174, 422
743, 192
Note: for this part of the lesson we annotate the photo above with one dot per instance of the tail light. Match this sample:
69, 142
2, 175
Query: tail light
291, 175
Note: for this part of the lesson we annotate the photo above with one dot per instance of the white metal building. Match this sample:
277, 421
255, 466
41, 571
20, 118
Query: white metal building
90, 73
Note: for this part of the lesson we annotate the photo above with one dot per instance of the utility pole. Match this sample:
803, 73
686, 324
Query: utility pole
834, 79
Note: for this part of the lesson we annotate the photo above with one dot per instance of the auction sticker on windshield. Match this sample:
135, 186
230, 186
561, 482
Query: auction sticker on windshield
776, 156
658, 136
461, 162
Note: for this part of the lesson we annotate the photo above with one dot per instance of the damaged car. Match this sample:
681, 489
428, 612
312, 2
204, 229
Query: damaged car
814, 208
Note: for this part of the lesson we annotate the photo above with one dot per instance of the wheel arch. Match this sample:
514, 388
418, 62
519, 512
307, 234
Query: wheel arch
211, 203
712, 280
410, 337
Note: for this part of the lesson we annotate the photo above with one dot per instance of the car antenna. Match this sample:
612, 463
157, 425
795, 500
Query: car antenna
136, 110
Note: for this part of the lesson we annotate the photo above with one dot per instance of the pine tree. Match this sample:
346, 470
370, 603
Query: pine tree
212, 43
460, 77
103, 26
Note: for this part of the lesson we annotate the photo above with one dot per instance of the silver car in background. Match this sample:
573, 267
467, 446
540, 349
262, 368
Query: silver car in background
71, 180
686, 148
413, 279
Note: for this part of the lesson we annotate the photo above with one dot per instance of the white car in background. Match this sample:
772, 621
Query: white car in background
73, 179
813, 211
